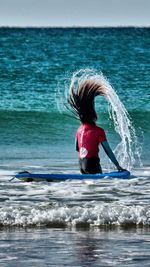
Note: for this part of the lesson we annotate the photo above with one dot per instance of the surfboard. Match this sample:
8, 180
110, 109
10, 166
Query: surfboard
52, 177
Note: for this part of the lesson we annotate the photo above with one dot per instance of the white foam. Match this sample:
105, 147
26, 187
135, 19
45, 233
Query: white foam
105, 214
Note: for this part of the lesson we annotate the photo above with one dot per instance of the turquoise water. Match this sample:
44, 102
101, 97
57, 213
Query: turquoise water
37, 134
35, 63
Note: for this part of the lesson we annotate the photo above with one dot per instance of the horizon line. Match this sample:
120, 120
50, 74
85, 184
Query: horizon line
75, 26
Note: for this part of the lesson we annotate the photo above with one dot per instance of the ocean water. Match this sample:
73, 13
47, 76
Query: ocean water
73, 223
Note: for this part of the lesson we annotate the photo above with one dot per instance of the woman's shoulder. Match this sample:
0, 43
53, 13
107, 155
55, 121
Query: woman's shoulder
99, 128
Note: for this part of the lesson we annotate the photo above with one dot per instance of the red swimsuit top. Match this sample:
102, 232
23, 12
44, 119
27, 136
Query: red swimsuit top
88, 137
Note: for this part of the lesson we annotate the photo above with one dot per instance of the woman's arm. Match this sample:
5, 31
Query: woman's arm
76, 144
111, 155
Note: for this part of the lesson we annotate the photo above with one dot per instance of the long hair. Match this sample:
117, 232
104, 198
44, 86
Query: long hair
81, 100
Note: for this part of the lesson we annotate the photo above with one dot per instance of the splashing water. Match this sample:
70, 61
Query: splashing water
128, 151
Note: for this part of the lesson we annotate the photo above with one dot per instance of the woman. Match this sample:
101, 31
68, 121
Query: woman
89, 136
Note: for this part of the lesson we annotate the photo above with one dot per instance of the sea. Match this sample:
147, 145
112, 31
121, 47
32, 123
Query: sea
73, 223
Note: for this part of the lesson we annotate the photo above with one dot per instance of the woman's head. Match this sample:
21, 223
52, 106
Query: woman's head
81, 100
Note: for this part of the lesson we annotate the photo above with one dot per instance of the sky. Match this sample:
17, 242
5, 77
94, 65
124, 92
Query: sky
74, 13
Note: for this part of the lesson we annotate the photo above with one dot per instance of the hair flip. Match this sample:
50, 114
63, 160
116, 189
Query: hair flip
81, 100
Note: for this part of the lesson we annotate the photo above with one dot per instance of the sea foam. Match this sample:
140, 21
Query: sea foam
99, 215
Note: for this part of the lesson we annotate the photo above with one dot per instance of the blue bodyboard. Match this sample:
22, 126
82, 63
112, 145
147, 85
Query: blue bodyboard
26, 176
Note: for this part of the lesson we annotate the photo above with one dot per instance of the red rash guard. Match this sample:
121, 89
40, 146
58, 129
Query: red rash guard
88, 138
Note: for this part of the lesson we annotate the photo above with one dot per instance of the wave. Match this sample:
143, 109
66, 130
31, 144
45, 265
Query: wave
18, 126
24, 131
66, 216
139, 118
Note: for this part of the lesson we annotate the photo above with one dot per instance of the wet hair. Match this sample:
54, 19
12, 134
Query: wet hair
81, 100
